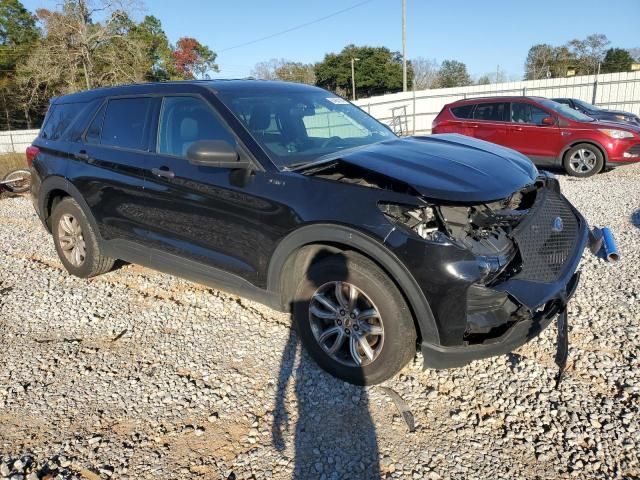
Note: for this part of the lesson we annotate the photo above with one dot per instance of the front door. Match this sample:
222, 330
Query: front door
213, 216
530, 136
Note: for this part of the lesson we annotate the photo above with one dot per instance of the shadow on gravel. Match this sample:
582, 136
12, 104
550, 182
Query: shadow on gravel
635, 218
334, 433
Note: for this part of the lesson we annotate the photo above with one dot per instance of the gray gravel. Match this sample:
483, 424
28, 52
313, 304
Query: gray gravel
137, 374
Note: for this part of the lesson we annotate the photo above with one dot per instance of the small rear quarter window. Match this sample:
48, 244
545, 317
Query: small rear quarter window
463, 111
59, 118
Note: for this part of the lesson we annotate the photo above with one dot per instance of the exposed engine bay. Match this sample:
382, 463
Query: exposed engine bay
482, 229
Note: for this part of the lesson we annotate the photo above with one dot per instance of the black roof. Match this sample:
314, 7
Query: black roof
185, 86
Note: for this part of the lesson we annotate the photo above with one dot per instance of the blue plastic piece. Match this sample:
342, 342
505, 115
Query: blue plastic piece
609, 244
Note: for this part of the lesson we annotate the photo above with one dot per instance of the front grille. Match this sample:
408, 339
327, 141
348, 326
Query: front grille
545, 243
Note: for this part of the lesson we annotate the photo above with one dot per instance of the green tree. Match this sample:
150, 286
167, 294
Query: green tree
378, 70
157, 50
18, 34
453, 74
483, 80
617, 60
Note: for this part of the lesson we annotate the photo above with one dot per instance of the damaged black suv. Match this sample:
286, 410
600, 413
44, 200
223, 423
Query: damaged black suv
292, 196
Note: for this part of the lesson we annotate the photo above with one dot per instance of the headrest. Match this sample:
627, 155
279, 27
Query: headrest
260, 117
189, 129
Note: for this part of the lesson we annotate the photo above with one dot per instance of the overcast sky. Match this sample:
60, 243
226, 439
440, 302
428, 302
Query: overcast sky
482, 34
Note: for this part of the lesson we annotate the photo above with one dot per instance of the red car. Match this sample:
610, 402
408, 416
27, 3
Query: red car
549, 133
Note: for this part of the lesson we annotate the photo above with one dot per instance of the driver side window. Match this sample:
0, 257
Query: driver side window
526, 113
186, 120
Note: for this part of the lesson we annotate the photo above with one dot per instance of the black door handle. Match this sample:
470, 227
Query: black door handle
163, 172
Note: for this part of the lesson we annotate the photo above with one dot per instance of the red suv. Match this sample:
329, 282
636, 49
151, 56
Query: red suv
549, 133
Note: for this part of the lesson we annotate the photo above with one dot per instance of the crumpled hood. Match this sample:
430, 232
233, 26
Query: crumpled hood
448, 167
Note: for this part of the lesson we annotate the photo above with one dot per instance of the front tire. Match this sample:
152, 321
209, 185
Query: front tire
583, 160
76, 242
353, 320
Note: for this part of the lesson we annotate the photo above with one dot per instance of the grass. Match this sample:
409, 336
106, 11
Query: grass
10, 162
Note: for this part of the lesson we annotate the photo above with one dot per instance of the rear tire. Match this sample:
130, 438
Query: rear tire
349, 298
76, 242
582, 161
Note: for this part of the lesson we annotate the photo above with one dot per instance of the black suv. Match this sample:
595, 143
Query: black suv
292, 196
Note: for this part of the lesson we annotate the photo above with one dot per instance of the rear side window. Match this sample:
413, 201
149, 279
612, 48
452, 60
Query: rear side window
59, 119
491, 111
463, 111
123, 123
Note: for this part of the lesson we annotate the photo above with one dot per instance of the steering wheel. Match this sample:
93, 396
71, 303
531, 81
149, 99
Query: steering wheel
329, 141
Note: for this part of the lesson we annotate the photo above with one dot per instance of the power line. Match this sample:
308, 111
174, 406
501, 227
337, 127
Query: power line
297, 27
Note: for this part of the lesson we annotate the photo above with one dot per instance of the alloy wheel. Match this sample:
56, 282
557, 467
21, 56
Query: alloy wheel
71, 240
346, 324
583, 161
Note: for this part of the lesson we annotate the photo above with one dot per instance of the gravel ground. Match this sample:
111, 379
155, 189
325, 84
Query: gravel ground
137, 374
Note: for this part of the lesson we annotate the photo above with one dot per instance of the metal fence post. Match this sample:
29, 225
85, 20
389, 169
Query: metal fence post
13, 147
524, 91
595, 85
413, 121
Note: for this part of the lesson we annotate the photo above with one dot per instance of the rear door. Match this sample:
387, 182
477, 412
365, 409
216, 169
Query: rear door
489, 122
528, 135
110, 165
460, 116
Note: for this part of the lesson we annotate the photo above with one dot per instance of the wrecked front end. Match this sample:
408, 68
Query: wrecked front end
495, 274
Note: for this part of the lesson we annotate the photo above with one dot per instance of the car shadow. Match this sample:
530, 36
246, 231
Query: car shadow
334, 435
635, 218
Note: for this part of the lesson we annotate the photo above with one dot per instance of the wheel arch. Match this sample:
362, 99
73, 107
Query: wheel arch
52, 191
296, 252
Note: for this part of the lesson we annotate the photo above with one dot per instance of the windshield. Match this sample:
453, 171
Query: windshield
565, 111
296, 127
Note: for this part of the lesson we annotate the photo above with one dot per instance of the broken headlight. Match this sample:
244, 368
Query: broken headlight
481, 230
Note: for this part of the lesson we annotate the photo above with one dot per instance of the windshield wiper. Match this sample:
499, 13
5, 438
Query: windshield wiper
323, 159
294, 167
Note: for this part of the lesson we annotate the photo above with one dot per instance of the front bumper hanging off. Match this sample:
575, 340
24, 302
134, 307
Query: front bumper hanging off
541, 295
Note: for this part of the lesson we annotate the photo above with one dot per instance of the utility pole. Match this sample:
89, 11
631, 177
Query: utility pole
404, 45
353, 77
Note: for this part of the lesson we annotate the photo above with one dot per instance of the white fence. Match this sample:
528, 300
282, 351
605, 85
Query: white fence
416, 110
16, 141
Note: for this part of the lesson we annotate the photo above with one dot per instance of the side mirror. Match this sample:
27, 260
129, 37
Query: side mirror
548, 121
215, 153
